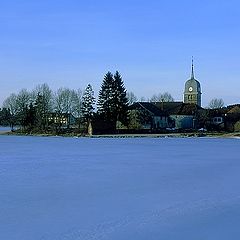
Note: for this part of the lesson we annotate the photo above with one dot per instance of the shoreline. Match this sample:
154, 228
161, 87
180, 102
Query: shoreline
150, 135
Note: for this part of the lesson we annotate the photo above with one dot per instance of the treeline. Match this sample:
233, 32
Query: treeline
44, 110
34, 110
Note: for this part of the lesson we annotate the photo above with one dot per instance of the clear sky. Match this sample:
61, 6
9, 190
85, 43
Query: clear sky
70, 43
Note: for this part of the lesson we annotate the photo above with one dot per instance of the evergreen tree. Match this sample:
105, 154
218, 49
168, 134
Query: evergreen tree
120, 99
112, 102
105, 98
21, 117
41, 114
88, 101
30, 119
5, 117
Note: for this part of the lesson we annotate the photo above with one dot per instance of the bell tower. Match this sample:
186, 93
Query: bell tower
192, 92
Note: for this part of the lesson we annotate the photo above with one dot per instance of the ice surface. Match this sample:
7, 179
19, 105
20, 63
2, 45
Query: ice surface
4, 129
119, 189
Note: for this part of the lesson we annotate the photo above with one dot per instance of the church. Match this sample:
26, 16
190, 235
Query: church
192, 92
177, 115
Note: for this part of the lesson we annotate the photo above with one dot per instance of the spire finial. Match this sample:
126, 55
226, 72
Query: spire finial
192, 74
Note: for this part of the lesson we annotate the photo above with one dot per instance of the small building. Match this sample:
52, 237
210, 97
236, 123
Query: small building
182, 115
64, 120
162, 115
145, 115
232, 118
218, 120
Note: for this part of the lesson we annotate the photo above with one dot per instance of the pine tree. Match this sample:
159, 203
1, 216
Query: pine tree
30, 116
88, 101
112, 101
120, 99
41, 114
105, 98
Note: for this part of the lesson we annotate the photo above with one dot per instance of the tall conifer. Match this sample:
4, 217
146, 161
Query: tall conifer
112, 101
88, 101
120, 99
105, 98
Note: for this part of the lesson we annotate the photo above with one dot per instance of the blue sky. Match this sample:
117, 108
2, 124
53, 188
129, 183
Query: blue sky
73, 42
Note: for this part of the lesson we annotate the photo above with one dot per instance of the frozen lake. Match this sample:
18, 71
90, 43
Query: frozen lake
4, 129
119, 189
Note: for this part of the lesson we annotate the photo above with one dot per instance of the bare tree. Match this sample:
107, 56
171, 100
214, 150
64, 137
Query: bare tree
155, 98
162, 97
64, 104
77, 106
131, 97
143, 99
11, 104
77, 103
59, 101
167, 97
64, 100
216, 103
19, 104
23, 100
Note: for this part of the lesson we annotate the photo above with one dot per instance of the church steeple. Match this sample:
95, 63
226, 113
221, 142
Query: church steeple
192, 92
192, 74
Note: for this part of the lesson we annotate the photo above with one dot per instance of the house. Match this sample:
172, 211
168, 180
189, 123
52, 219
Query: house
232, 118
218, 120
182, 115
145, 115
64, 120
162, 115
226, 118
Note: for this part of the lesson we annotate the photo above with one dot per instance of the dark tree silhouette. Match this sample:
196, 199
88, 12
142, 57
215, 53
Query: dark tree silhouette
112, 101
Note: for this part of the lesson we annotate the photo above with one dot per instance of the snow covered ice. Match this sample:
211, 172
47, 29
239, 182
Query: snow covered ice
119, 189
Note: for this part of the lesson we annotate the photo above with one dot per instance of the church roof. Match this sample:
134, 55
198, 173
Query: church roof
150, 107
166, 108
178, 108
